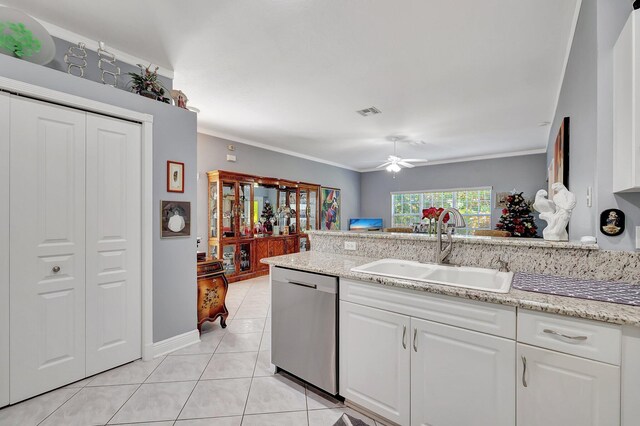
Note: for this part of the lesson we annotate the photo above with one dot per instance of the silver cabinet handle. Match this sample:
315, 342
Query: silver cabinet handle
415, 341
404, 336
302, 284
524, 371
55, 269
555, 333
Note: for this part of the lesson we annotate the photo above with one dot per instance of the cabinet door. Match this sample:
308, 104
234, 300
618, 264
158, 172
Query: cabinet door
555, 389
113, 283
276, 247
229, 208
460, 377
245, 201
262, 252
375, 360
4, 251
245, 258
47, 265
291, 245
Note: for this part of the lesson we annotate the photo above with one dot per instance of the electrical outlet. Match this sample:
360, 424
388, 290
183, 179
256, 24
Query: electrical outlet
350, 245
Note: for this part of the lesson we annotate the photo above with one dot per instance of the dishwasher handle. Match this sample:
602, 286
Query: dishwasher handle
313, 286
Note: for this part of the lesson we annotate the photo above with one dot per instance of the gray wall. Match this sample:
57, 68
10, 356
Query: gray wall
587, 98
174, 138
91, 72
212, 155
524, 173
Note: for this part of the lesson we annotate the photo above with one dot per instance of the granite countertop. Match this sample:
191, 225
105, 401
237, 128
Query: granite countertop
340, 265
462, 239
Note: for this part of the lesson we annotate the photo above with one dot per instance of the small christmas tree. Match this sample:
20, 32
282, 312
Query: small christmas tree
267, 213
516, 217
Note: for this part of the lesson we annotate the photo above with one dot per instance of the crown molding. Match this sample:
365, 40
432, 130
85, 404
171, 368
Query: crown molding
272, 148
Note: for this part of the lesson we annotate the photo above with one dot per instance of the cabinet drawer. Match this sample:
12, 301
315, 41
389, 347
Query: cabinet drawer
584, 338
499, 320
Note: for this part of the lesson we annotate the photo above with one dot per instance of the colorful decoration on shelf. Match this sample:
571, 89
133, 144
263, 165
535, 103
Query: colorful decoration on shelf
429, 222
76, 60
517, 218
107, 66
330, 208
16, 38
179, 99
147, 84
557, 212
267, 215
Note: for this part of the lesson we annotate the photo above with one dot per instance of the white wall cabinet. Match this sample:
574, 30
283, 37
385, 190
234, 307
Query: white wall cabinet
460, 377
626, 107
74, 263
556, 389
375, 360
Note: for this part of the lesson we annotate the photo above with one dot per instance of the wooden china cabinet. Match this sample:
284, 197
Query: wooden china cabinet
253, 217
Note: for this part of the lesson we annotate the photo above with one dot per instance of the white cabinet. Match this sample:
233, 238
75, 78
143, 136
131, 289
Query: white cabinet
4, 253
375, 360
75, 246
556, 389
626, 107
460, 377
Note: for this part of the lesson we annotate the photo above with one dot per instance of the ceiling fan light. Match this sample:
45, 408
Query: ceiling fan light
393, 167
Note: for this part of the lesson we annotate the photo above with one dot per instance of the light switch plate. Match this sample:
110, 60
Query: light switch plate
231, 158
350, 245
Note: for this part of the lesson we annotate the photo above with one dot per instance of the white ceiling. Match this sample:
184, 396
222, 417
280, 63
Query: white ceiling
471, 78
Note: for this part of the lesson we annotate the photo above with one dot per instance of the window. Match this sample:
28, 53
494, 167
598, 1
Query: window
474, 204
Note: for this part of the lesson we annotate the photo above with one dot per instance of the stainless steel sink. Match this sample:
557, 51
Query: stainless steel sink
457, 276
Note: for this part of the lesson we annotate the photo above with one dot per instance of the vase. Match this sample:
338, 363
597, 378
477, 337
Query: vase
148, 94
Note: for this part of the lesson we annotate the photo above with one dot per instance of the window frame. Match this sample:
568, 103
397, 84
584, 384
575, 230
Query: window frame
467, 230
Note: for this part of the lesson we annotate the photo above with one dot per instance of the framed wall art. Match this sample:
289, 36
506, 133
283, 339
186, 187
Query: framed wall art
175, 219
330, 204
175, 176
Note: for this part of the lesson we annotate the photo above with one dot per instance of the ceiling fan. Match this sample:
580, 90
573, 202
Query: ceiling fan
395, 164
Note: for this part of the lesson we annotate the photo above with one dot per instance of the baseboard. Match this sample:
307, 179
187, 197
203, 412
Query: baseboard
174, 343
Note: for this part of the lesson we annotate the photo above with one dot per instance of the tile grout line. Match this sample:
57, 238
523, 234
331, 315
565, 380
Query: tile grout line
59, 406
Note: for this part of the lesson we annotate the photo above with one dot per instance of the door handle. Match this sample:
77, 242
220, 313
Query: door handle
415, 339
404, 336
555, 333
524, 371
313, 286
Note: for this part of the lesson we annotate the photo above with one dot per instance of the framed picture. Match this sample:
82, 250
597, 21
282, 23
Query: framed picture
175, 219
175, 176
330, 203
559, 166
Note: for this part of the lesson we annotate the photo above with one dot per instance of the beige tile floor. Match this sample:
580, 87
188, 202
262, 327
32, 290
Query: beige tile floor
225, 380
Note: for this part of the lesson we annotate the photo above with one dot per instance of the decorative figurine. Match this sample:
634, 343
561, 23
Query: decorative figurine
557, 212
179, 98
76, 60
612, 222
107, 66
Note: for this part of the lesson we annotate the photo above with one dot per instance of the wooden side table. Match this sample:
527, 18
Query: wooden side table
212, 292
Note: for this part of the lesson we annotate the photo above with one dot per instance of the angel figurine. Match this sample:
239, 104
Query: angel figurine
555, 211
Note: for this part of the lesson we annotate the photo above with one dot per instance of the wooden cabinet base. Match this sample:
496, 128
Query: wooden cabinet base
212, 292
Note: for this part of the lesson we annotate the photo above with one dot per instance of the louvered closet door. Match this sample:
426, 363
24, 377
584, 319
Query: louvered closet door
113, 242
47, 206
4, 250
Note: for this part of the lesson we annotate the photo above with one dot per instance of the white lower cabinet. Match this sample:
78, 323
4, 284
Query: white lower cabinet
556, 389
375, 360
460, 377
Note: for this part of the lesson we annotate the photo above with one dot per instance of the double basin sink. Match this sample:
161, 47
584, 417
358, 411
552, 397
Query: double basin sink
457, 276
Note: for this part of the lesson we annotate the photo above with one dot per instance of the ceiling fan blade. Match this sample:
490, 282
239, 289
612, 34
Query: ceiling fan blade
383, 165
414, 160
393, 159
407, 165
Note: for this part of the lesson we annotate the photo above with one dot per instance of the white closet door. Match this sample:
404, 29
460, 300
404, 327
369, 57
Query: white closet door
113, 242
4, 251
47, 205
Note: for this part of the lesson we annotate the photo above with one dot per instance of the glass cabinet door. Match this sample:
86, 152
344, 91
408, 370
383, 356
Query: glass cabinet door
229, 259
228, 209
245, 210
213, 206
312, 209
245, 257
303, 211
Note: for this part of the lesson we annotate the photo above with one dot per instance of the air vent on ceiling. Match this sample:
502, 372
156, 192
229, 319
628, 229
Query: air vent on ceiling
369, 111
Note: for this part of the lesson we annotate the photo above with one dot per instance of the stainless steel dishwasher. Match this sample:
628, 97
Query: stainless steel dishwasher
304, 333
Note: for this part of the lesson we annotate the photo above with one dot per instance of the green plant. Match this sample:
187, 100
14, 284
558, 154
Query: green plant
16, 38
146, 81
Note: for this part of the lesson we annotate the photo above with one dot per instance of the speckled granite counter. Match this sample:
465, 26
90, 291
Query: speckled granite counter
340, 265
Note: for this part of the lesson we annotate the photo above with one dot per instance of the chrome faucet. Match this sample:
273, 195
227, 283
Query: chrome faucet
455, 221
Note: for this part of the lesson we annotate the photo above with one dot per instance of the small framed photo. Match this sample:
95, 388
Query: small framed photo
501, 199
175, 219
175, 176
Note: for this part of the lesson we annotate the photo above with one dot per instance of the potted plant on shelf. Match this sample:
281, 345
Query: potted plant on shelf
147, 84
